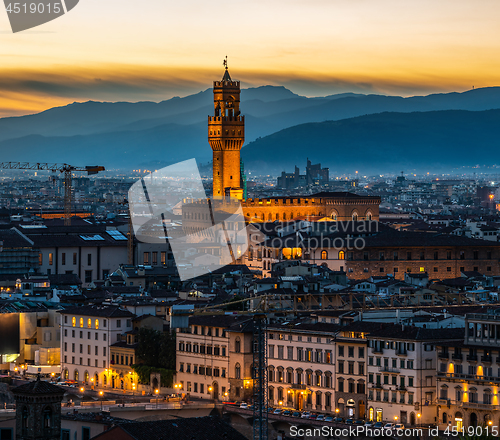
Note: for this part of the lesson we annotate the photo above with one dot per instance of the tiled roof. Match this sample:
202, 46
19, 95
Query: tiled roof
105, 311
12, 238
38, 387
199, 428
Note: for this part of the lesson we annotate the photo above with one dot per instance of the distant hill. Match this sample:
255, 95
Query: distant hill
424, 141
125, 134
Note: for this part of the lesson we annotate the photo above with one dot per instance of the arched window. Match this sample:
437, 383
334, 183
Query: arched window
341, 255
445, 418
355, 216
369, 215
250, 253
237, 345
97, 324
76, 375
73, 321
324, 255
47, 417
237, 371
81, 322
89, 323
334, 216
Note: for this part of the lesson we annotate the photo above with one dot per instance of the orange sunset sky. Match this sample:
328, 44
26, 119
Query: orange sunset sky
130, 50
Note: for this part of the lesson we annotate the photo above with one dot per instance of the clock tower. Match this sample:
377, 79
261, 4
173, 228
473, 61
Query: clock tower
226, 134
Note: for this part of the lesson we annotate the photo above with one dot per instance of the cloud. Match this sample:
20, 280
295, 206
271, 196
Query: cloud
29, 90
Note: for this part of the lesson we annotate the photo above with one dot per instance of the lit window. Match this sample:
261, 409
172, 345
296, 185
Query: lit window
89, 323
97, 324
73, 321
341, 255
324, 255
81, 322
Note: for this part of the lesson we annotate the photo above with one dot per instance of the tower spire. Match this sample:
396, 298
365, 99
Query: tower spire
226, 76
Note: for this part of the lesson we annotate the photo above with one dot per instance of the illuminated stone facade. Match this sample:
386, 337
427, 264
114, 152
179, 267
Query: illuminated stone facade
226, 134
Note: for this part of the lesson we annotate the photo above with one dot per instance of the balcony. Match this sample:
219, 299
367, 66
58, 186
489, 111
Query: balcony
388, 370
472, 357
443, 401
444, 355
475, 377
476, 405
401, 352
457, 356
377, 350
487, 359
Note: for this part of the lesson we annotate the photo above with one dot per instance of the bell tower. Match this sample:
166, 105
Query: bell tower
226, 134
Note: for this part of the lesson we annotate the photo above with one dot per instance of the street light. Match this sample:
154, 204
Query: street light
100, 395
156, 392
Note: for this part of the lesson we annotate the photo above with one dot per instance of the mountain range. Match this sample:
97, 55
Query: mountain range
282, 128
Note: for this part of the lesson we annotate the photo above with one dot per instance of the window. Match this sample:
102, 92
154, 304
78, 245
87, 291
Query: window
89, 259
155, 258
73, 322
324, 255
51, 259
63, 259
74, 258
163, 260
81, 323
146, 258
85, 433
341, 255
88, 276
89, 323
118, 322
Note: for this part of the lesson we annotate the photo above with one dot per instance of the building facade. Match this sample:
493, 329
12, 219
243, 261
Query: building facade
86, 335
468, 375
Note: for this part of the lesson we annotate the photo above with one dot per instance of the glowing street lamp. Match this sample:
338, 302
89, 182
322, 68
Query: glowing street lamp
100, 396
157, 392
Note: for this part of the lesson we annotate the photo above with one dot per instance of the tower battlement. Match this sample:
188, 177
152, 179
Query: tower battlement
227, 119
227, 84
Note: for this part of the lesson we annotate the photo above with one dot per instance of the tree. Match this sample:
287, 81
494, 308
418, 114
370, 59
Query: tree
156, 349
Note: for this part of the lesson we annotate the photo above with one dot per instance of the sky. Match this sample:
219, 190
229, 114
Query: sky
129, 50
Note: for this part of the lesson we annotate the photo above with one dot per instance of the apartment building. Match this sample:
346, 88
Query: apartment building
468, 375
351, 362
86, 335
402, 372
301, 367
202, 357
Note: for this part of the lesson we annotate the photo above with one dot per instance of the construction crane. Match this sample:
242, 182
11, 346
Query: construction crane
68, 171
